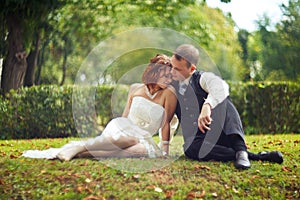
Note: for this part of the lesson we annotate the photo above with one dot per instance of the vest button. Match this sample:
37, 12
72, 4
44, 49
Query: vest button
186, 108
195, 123
191, 115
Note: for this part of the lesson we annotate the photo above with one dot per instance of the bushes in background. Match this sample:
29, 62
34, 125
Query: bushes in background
54, 111
47, 111
268, 107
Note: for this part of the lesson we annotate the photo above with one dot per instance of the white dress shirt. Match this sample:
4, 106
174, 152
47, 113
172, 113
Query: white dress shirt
217, 88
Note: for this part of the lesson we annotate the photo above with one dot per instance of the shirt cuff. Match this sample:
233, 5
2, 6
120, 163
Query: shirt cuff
212, 102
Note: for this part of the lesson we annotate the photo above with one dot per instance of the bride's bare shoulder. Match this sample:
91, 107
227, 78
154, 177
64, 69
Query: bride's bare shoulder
170, 89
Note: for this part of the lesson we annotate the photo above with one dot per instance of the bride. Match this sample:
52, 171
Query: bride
150, 107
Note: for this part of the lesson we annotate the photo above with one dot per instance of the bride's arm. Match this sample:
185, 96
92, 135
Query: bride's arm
132, 89
170, 106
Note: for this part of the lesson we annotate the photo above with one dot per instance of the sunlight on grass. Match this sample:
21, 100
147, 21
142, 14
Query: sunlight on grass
24, 178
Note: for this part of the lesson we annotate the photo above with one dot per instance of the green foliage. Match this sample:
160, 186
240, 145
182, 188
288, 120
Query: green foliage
47, 112
289, 33
276, 50
31, 13
80, 25
43, 111
268, 107
53, 111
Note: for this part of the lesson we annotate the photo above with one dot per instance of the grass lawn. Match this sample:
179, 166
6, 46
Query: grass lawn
180, 178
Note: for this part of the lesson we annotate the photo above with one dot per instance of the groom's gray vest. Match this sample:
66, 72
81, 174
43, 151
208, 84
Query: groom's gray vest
188, 108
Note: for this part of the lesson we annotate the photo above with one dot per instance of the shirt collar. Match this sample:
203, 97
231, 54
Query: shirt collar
187, 80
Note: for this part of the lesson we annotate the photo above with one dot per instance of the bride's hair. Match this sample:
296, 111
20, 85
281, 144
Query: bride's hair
153, 71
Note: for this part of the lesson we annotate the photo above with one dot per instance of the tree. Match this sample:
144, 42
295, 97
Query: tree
289, 34
21, 27
54, 36
243, 37
209, 27
276, 51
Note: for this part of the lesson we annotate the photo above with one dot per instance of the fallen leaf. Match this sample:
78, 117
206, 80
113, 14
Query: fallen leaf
169, 194
89, 190
197, 167
200, 195
91, 197
286, 169
79, 189
235, 190
151, 187
253, 177
87, 180
226, 186
266, 164
157, 189
75, 175
214, 194
13, 156
192, 195
86, 163
53, 163
136, 177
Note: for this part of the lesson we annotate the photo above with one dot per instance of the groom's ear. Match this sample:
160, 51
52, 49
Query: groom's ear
193, 68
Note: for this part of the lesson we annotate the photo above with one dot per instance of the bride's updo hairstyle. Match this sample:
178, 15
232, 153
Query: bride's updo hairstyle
153, 71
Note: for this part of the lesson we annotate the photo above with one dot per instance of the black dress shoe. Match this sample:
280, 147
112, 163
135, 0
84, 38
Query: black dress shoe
242, 161
273, 156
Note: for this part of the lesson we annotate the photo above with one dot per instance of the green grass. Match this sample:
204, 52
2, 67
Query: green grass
180, 178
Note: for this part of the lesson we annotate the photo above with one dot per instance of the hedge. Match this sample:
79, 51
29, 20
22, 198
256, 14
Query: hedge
52, 111
47, 111
268, 107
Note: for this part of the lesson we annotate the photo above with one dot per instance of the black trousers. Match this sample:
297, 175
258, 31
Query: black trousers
225, 138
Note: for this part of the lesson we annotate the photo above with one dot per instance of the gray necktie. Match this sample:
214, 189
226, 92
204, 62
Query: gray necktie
182, 88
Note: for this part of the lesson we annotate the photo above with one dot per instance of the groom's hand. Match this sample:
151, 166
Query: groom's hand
204, 119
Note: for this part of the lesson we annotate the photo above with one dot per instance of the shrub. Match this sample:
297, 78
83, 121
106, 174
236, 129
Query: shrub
268, 107
48, 112
53, 111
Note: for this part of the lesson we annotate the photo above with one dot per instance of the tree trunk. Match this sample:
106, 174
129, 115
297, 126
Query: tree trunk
64, 66
15, 64
40, 63
32, 62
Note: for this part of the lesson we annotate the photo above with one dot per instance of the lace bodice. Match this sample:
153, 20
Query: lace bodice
146, 114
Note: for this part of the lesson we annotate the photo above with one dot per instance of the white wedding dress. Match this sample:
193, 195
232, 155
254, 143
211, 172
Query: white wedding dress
143, 121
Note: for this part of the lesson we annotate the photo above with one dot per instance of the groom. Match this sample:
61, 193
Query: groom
210, 123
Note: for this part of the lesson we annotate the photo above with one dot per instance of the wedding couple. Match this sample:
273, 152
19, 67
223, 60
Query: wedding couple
211, 126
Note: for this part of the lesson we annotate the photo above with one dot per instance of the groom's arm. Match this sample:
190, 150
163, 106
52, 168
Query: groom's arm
217, 88
218, 91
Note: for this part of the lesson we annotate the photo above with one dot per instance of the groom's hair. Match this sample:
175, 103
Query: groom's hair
187, 52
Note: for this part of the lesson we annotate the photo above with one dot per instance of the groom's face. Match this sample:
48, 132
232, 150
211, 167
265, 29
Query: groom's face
180, 71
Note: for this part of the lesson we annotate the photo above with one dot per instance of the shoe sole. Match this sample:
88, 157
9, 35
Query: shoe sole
241, 166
